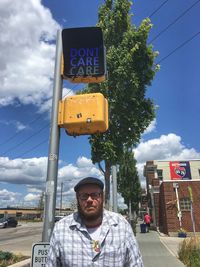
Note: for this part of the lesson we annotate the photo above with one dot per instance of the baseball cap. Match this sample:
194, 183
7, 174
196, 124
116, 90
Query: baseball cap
89, 180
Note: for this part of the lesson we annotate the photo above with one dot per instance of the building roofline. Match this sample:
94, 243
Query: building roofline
164, 160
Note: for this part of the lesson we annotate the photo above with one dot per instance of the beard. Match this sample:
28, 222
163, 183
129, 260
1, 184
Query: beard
90, 215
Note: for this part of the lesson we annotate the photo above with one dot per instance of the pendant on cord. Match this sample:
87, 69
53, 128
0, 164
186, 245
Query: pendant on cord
96, 246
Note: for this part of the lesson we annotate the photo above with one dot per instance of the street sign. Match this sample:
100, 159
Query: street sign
39, 254
84, 55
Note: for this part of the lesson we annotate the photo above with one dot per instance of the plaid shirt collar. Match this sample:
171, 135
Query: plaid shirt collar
108, 220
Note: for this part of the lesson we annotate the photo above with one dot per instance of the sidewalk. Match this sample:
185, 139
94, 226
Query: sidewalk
172, 244
159, 250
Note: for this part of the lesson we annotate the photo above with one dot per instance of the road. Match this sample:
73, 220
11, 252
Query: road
19, 240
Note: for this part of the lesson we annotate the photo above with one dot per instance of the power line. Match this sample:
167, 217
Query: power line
70, 90
172, 23
28, 138
25, 140
155, 11
177, 48
33, 121
33, 148
16, 134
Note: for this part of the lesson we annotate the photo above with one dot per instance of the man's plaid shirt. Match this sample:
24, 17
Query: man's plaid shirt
71, 244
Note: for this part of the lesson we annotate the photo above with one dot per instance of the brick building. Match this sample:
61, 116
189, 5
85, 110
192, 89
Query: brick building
173, 194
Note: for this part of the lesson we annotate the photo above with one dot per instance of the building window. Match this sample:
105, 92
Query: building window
199, 172
185, 204
150, 169
160, 174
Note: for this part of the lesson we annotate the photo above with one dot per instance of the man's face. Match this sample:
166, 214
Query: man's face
90, 202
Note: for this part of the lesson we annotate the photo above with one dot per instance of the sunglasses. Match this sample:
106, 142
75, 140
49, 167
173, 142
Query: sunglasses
85, 196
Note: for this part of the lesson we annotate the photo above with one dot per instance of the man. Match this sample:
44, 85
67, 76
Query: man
93, 236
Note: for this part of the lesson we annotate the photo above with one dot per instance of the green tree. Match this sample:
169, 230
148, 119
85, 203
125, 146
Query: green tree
128, 180
130, 65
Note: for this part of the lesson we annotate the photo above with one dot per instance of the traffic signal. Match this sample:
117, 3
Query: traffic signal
83, 55
83, 114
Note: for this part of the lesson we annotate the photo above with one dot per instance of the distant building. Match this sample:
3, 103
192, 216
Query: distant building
173, 193
143, 205
22, 213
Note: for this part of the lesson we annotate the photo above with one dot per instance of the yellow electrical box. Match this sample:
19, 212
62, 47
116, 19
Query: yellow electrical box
84, 114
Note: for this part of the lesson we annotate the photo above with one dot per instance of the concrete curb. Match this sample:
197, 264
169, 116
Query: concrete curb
25, 263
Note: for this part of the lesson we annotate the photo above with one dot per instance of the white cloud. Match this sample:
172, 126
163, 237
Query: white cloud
47, 105
31, 197
8, 198
151, 127
32, 173
160, 148
167, 147
20, 126
27, 56
70, 175
23, 171
84, 162
17, 124
34, 190
67, 92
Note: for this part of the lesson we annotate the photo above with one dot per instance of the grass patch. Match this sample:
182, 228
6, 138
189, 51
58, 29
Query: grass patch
189, 252
8, 258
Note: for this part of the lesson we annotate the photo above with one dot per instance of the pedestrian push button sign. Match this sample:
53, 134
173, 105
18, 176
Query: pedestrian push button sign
39, 254
83, 55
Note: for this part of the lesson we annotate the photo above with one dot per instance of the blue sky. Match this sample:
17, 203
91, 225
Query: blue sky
27, 45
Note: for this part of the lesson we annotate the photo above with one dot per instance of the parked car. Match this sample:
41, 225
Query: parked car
58, 218
8, 222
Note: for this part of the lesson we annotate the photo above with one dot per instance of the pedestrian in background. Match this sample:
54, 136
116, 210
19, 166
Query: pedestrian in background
93, 236
147, 220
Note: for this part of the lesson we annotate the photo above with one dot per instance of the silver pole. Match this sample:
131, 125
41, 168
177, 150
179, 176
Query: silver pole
179, 214
130, 211
52, 167
61, 193
114, 187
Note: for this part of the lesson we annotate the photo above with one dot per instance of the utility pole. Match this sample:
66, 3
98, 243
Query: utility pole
61, 193
191, 209
70, 39
114, 187
130, 210
52, 167
179, 213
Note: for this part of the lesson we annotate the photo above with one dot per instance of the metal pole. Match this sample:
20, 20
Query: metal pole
52, 167
192, 218
61, 193
178, 207
130, 211
114, 187
191, 209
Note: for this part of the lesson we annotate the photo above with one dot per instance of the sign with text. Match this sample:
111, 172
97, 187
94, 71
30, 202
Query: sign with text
180, 170
83, 54
39, 254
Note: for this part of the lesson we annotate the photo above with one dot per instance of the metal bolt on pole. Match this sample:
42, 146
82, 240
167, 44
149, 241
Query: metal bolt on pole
52, 167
